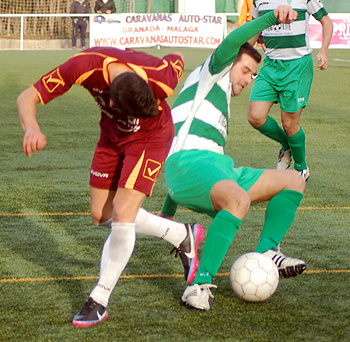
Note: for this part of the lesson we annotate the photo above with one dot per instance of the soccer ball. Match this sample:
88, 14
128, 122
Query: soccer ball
254, 277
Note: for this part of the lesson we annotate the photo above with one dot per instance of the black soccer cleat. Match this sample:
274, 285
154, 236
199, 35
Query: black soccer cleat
287, 267
188, 249
91, 314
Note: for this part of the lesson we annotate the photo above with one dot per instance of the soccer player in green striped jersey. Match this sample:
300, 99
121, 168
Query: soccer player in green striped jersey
286, 78
201, 177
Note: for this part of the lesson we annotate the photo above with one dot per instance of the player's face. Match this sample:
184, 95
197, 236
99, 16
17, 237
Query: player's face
242, 73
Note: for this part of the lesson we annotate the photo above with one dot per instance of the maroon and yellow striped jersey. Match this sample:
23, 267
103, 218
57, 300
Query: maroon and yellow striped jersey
89, 69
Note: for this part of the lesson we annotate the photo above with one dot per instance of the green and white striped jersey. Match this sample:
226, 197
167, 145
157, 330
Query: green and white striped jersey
289, 41
202, 109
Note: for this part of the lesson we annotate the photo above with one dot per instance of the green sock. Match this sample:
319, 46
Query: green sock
279, 216
220, 235
297, 147
272, 130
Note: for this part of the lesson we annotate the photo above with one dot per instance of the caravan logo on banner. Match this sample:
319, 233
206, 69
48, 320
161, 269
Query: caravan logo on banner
341, 31
163, 29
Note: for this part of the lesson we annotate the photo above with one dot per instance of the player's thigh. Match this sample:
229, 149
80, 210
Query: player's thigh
122, 205
190, 176
101, 204
126, 204
262, 96
271, 182
258, 112
228, 195
247, 177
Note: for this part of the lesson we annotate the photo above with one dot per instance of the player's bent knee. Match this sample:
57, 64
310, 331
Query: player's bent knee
256, 121
239, 205
125, 213
228, 195
96, 219
291, 128
99, 217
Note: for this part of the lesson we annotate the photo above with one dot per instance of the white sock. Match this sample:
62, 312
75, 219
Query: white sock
150, 224
116, 253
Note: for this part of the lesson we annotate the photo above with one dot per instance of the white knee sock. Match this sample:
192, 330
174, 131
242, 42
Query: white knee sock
116, 253
150, 224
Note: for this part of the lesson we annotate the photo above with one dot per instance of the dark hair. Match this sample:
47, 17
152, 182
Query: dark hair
133, 96
248, 49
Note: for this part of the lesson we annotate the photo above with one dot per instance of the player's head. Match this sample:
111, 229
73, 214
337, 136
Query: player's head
244, 68
131, 95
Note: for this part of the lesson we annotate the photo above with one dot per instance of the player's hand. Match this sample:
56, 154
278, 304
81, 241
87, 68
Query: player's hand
285, 14
33, 142
322, 60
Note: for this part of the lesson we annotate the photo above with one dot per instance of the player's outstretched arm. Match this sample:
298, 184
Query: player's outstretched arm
285, 14
33, 140
227, 51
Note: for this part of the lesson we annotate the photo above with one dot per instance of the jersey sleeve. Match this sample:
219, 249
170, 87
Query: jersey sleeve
59, 80
169, 207
164, 77
176, 68
315, 7
227, 51
255, 11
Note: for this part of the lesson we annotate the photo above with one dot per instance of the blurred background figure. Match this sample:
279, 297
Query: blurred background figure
79, 23
105, 6
246, 13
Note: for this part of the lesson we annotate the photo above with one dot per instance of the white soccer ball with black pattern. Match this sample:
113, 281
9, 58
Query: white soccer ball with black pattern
254, 277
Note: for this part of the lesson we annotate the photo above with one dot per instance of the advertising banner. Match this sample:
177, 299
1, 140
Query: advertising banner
157, 29
341, 31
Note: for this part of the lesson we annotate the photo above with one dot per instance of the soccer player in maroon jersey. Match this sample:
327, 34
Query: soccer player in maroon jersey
131, 88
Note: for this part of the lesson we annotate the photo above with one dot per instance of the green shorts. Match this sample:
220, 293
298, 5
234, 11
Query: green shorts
190, 176
285, 82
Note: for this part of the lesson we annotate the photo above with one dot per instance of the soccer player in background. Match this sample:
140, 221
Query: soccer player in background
201, 177
245, 16
130, 88
286, 77
246, 13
